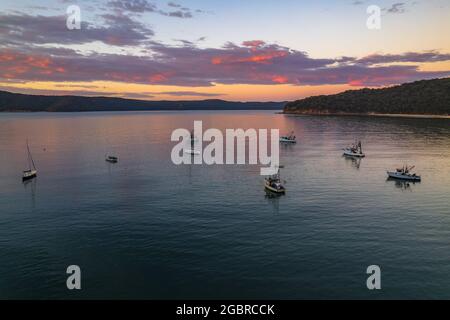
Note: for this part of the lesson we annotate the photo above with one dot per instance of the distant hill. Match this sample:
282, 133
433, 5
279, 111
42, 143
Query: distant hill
426, 97
14, 102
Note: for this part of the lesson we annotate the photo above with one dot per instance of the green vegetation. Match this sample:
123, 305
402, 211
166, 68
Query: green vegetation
426, 97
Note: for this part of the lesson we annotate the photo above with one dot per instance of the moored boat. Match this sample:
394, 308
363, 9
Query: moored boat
31, 172
354, 151
112, 159
192, 152
274, 184
404, 173
290, 138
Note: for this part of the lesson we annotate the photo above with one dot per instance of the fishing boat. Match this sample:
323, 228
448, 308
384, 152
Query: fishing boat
354, 151
31, 172
289, 138
274, 184
111, 159
404, 173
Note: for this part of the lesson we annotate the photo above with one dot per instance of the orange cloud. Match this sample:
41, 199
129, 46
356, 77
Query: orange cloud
280, 79
265, 57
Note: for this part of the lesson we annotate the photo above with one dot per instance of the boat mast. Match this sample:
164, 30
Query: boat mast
30, 158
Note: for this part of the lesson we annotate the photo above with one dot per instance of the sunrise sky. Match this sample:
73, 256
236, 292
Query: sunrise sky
240, 50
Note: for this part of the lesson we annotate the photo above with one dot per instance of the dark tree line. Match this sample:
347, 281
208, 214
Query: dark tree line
428, 97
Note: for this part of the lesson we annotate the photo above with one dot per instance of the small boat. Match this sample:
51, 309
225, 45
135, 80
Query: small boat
111, 159
274, 184
192, 152
404, 174
290, 138
354, 151
31, 172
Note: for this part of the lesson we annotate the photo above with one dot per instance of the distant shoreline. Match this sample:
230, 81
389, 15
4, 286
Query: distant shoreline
277, 111
390, 115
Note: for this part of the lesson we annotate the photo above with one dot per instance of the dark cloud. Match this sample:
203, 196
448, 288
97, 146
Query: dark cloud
178, 14
142, 6
415, 57
254, 62
398, 7
117, 30
173, 4
71, 92
138, 6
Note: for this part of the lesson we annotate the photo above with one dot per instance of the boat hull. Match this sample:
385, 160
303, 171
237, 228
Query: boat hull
287, 140
398, 176
192, 152
275, 190
354, 155
28, 175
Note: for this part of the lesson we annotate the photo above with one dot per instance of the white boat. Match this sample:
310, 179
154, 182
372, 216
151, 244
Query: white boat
404, 174
31, 172
192, 152
274, 184
289, 138
111, 159
354, 151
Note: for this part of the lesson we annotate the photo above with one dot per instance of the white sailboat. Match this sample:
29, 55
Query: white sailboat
192, 150
31, 172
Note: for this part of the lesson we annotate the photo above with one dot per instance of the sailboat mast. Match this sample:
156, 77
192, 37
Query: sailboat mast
30, 157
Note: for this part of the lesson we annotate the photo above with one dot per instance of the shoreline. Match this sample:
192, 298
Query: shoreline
295, 114
390, 115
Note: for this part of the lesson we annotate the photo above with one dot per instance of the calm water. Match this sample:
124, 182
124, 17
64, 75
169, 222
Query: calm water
145, 228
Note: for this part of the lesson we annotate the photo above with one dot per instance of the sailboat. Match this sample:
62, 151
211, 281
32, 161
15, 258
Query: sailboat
192, 150
31, 172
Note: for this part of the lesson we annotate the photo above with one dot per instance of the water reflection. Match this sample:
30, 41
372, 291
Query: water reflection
354, 162
274, 200
153, 215
402, 185
31, 185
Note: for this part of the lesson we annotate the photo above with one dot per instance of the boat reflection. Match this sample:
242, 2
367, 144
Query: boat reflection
401, 184
31, 185
274, 200
355, 162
